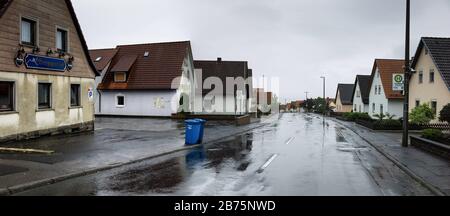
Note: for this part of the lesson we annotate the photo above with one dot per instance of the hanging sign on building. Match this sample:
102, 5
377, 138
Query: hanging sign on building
45, 63
398, 81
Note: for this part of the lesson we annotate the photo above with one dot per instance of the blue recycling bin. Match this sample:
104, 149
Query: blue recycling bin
202, 128
193, 132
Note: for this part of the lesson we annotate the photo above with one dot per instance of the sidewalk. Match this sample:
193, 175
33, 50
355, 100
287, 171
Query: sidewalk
430, 170
116, 142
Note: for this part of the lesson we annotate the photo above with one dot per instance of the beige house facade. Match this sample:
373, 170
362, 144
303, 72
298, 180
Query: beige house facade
46, 75
430, 84
344, 95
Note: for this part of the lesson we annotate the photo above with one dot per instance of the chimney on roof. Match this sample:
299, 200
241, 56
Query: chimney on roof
219, 59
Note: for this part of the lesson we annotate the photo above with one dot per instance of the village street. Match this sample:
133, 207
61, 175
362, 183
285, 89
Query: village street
300, 154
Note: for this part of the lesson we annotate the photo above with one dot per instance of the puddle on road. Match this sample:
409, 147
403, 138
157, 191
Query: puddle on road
352, 149
166, 175
340, 136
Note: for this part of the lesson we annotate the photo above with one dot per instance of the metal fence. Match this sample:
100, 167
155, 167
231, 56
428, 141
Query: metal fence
440, 126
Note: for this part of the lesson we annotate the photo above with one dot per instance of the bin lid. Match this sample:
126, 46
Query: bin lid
201, 120
191, 122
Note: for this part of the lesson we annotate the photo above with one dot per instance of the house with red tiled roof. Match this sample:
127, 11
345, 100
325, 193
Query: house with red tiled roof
153, 80
383, 99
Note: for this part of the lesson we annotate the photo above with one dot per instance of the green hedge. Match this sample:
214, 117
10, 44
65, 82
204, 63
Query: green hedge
387, 124
433, 134
353, 116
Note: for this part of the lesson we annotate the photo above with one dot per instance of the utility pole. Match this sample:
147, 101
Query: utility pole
307, 95
407, 74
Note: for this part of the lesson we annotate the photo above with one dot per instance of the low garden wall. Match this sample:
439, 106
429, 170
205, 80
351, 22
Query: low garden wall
431, 146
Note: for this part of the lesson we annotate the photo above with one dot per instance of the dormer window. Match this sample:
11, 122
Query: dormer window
146, 54
98, 59
120, 77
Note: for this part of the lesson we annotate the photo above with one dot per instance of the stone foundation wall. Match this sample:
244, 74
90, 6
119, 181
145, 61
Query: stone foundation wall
71, 129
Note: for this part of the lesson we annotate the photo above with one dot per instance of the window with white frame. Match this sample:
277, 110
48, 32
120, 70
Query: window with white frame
432, 76
120, 101
434, 107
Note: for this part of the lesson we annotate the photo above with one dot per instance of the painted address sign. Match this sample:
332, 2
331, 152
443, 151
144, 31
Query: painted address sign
45, 63
398, 81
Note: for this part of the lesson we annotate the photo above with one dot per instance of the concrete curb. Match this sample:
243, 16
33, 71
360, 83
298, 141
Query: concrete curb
403, 167
49, 181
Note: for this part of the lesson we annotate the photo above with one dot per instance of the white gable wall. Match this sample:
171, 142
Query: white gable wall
152, 103
358, 104
393, 107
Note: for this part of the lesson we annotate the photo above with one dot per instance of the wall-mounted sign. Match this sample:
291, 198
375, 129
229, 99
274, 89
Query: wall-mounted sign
91, 94
45, 63
398, 81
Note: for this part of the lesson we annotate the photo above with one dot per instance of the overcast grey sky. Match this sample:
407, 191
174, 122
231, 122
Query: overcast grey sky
295, 40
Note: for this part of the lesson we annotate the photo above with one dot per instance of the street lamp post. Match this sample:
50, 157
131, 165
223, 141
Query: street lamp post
324, 100
407, 74
324, 95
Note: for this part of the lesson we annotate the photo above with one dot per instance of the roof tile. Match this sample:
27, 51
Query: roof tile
155, 72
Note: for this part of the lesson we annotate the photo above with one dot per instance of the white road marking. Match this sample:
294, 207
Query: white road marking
290, 140
260, 170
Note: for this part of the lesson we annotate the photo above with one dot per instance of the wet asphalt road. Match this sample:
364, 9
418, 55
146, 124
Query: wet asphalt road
299, 155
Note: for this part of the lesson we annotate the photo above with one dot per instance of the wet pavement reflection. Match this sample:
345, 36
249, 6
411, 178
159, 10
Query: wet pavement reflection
299, 155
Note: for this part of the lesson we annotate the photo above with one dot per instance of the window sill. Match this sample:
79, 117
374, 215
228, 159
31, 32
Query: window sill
76, 107
28, 45
8, 112
45, 110
120, 107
